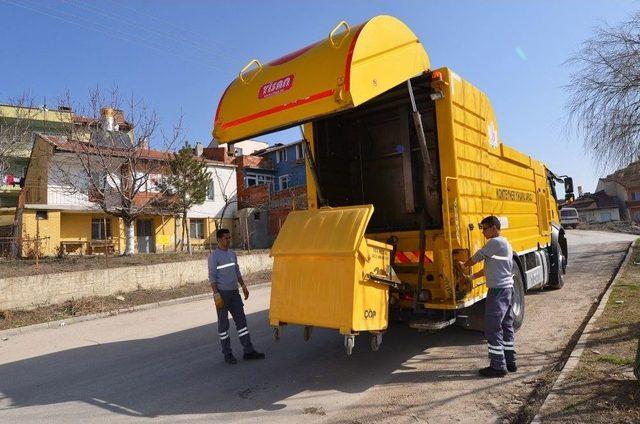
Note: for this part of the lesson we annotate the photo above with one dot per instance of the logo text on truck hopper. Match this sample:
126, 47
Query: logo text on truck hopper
275, 87
516, 196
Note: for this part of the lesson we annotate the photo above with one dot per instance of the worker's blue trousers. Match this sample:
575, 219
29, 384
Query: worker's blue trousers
498, 327
233, 304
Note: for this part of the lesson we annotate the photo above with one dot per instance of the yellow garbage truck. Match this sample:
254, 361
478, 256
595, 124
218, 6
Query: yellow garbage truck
403, 161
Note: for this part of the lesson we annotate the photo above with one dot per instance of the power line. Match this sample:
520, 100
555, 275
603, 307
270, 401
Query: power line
81, 22
129, 19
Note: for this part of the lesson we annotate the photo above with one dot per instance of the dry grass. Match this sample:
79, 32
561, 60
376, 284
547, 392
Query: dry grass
98, 304
603, 389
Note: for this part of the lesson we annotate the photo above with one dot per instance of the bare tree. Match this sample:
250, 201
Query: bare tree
16, 122
113, 169
604, 93
228, 197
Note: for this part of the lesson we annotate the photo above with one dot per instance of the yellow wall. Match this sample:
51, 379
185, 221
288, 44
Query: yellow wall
65, 226
164, 230
47, 229
210, 228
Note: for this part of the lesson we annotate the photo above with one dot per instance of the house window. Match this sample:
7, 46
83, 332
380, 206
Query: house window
210, 191
256, 216
42, 215
196, 228
251, 180
281, 155
635, 195
98, 230
284, 182
299, 151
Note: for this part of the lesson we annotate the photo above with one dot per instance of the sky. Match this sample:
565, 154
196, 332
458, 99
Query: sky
179, 56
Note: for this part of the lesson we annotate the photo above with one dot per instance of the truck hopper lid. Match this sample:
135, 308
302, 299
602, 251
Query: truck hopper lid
342, 71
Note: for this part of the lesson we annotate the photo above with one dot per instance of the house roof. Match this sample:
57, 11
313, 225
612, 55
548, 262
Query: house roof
275, 147
64, 144
597, 200
627, 177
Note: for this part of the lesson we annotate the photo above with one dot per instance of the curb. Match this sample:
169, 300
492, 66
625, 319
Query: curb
73, 320
576, 353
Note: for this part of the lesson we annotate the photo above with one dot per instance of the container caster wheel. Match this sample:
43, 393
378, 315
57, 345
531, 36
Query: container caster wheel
376, 341
277, 333
349, 342
307, 332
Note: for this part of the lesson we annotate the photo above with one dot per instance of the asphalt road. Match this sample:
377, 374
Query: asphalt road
165, 364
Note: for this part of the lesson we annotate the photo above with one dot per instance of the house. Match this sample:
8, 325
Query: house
597, 207
66, 220
220, 207
290, 182
18, 126
241, 148
289, 164
624, 185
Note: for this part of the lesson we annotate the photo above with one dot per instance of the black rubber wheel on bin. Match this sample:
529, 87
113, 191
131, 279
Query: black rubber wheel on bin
307, 332
376, 341
349, 342
276, 334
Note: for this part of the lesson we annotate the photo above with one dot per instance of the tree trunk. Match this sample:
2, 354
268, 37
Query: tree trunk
186, 225
129, 237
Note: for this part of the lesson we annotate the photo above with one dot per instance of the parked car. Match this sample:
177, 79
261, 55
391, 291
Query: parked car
569, 217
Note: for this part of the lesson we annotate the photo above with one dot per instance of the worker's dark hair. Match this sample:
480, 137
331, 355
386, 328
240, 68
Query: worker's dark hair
491, 221
221, 232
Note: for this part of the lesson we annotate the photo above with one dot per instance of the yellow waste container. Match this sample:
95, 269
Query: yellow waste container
327, 274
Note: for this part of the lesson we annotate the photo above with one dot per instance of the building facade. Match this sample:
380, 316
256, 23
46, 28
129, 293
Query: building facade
624, 185
55, 218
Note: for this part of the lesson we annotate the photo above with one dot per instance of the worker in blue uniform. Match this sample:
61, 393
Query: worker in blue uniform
224, 276
497, 255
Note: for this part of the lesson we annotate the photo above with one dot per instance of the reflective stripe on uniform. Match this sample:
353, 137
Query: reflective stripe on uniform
224, 336
510, 348
226, 265
243, 332
501, 258
496, 350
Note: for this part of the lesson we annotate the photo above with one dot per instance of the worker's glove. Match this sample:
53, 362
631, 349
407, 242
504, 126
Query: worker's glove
217, 298
245, 291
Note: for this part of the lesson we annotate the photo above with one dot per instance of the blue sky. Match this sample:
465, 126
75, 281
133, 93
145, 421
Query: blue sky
180, 56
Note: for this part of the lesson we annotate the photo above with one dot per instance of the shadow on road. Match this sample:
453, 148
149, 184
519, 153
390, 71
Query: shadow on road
183, 372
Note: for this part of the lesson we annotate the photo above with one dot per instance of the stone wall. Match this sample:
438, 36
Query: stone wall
37, 290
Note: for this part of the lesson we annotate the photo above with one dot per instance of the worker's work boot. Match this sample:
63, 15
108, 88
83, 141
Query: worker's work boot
492, 372
253, 355
230, 359
512, 367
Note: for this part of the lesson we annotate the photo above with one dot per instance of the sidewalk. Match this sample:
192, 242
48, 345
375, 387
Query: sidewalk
601, 386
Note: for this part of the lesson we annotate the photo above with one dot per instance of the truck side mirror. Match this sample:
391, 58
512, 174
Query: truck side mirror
569, 198
568, 185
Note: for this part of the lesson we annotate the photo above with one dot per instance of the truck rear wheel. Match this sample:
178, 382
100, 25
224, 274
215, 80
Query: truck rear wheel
518, 299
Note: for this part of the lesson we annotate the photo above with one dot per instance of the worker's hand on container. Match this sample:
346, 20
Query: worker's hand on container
218, 300
245, 291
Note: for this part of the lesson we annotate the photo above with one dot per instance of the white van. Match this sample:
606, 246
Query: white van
569, 217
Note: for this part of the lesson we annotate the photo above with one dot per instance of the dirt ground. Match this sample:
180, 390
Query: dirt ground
51, 265
603, 388
119, 301
614, 227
